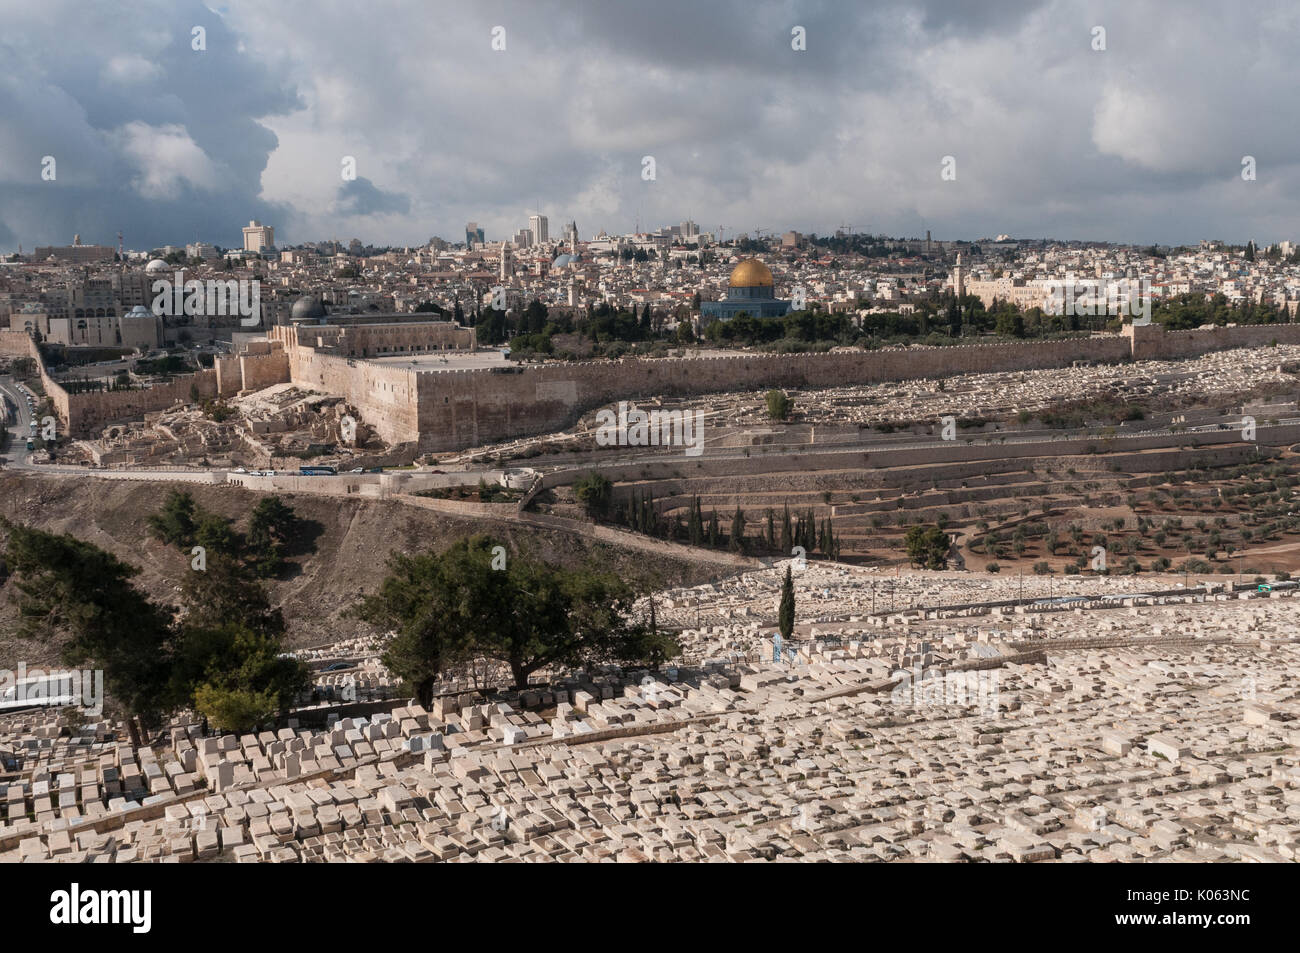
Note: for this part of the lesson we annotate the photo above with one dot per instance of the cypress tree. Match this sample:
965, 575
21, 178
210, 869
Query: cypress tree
785, 615
738, 531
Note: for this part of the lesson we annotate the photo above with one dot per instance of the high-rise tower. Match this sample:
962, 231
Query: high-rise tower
537, 224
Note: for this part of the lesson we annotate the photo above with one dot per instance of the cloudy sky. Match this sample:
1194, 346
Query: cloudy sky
1142, 141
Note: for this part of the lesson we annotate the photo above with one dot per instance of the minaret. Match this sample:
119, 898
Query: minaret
958, 282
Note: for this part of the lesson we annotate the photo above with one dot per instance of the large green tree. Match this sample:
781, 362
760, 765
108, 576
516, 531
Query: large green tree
567, 617
226, 592
447, 608
177, 521
594, 492
431, 602
221, 654
76, 591
237, 678
736, 540
927, 547
271, 528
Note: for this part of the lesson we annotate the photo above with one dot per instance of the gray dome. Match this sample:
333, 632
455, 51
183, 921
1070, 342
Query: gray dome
307, 308
562, 260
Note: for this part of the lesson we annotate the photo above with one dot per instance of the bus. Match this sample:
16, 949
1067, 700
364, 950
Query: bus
318, 471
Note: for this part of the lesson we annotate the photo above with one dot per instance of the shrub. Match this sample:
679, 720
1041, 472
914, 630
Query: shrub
778, 405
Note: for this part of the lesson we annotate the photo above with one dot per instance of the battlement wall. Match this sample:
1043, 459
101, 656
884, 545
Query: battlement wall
455, 409
383, 394
16, 344
86, 414
465, 408
1153, 342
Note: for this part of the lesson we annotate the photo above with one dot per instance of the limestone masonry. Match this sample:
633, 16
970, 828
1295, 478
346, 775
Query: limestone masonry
457, 408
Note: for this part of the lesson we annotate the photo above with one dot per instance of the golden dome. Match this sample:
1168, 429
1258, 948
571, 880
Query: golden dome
751, 273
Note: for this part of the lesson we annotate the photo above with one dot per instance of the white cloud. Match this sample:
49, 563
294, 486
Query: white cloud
131, 70
165, 158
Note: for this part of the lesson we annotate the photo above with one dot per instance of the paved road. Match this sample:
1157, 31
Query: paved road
16, 455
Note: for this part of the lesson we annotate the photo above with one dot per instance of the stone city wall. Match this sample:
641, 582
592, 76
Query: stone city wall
15, 344
259, 371
467, 408
1153, 343
450, 410
458, 409
83, 415
259, 364
87, 414
383, 394
230, 377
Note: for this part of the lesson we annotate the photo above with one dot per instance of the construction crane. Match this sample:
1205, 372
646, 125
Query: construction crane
758, 233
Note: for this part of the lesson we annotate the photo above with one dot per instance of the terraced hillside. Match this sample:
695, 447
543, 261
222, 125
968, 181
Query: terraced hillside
353, 538
1030, 513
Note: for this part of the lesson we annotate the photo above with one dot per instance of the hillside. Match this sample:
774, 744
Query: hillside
354, 539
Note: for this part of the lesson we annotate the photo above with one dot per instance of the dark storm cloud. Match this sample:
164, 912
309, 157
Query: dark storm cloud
360, 197
149, 135
1140, 142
